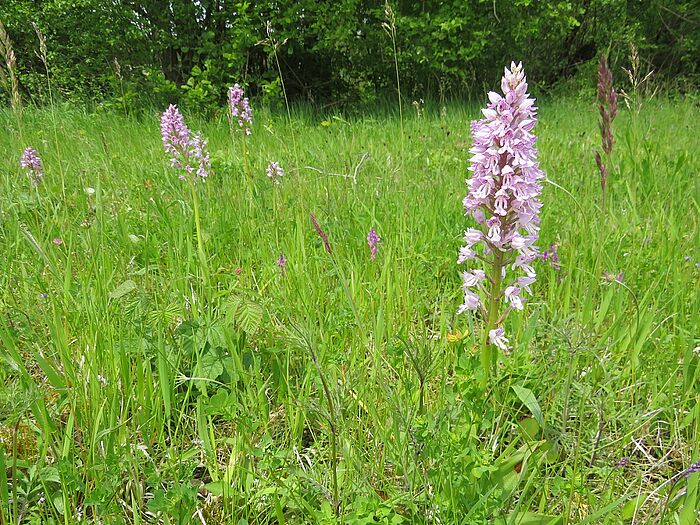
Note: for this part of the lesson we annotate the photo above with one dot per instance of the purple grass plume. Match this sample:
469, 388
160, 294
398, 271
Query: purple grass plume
32, 165
607, 107
503, 200
275, 172
188, 152
321, 233
373, 241
282, 263
239, 108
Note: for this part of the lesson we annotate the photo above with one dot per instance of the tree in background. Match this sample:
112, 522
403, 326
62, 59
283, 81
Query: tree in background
150, 52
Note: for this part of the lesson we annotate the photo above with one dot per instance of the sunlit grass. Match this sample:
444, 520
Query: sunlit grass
136, 393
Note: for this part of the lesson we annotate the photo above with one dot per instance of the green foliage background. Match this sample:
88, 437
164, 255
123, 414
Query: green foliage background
335, 51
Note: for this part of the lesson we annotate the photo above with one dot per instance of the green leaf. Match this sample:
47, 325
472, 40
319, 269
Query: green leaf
219, 401
507, 476
629, 509
216, 488
592, 518
530, 428
50, 475
53, 373
126, 287
212, 363
246, 313
689, 513
57, 500
4, 493
530, 518
529, 400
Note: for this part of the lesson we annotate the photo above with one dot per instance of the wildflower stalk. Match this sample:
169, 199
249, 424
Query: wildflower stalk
341, 275
241, 119
504, 201
189, 155
33, 166
246, 166
373, 241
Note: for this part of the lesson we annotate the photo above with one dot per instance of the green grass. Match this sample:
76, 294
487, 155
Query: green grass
139, 388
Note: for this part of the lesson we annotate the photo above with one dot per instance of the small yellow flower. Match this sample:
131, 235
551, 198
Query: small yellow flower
457, 336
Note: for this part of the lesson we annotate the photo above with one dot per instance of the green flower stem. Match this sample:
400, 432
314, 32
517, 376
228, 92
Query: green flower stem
489, 353
200, 243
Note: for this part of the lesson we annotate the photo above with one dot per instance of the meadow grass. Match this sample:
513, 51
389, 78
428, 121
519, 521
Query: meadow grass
138, 388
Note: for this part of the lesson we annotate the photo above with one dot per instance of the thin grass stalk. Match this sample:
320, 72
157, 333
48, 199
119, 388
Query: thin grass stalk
15, 453
120, 78
306, 342
334, 432
43, 55
332, 425
326, 244
200, 243
390, 28
275, 45
4, 490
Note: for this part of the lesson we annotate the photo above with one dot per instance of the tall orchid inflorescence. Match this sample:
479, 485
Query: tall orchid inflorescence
32, 165
607, 107
503, 199
239, 108
188, 153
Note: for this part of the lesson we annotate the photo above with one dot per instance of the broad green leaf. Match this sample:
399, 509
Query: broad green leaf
510, 465
216, 488
126, 287
211, 363
530, 428
689, 513
246, 313
529, 400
